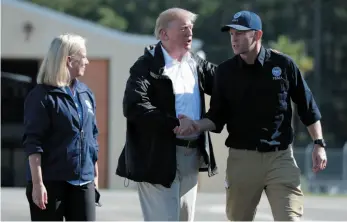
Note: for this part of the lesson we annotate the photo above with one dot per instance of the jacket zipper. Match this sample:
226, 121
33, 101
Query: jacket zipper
174, 111
81, 139
173, 93
81, 145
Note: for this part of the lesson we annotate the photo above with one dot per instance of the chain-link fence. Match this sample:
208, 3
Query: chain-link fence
333, 179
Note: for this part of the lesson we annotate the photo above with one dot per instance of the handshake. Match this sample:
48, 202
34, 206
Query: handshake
187, 126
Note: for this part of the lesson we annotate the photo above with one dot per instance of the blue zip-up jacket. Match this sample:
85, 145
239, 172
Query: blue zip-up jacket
69, 148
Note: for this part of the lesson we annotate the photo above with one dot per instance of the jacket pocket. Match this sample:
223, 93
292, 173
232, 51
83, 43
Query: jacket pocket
93, 152
74, 149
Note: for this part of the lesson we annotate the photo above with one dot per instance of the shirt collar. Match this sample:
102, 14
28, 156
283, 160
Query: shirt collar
261, 55
260, 58
74, 87
169, 60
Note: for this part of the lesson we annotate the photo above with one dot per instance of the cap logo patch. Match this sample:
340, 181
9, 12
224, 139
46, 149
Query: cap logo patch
237, 15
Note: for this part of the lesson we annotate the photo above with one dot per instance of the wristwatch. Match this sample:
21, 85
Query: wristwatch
320, 142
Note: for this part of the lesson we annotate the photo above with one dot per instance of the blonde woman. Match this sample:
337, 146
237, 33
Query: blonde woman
60, 136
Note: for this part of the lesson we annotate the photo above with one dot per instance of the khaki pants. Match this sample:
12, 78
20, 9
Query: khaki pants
176, 203
250, 172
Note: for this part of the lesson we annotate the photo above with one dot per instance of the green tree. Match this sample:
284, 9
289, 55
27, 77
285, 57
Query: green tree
296, 50
294, 19
99, 11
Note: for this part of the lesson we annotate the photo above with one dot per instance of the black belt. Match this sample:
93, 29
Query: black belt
187, 143
262, 149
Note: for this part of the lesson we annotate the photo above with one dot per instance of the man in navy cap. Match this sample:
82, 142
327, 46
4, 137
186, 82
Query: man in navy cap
252, 95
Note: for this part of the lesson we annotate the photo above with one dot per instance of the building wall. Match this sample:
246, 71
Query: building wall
119, 50
97, 77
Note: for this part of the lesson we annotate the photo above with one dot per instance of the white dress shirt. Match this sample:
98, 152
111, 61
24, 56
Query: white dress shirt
185, 84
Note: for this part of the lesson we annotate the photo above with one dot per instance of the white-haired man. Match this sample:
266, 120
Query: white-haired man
167, 82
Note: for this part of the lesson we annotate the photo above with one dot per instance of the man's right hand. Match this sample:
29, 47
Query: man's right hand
187, 126
40, 196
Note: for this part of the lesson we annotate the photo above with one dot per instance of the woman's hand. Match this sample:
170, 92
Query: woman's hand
40, 196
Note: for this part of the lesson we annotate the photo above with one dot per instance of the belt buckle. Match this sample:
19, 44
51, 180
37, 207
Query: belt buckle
188, 144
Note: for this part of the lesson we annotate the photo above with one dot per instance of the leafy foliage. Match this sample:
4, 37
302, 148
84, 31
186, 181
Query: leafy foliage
289, 27
296, 50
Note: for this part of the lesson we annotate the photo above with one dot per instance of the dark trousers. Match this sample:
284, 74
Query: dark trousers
74, 203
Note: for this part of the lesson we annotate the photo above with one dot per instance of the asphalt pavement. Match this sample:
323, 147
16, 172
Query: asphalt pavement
123, 205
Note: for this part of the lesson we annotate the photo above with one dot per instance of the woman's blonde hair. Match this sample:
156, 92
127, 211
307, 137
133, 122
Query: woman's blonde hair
53, 70
170, 15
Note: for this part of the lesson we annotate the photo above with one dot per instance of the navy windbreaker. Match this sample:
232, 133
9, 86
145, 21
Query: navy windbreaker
69, 148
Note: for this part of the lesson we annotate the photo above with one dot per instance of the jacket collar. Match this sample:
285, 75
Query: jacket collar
262, 55
156, 57
79, 87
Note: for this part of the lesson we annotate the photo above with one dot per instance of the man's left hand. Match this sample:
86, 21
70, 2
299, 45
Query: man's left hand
319, 158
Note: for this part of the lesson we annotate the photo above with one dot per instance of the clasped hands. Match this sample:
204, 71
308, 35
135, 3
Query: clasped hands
187, 126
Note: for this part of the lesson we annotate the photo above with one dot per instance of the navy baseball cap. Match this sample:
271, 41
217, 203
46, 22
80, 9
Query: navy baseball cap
244, 20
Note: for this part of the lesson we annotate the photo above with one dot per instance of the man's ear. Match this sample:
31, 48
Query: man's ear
258, 35
163, 35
